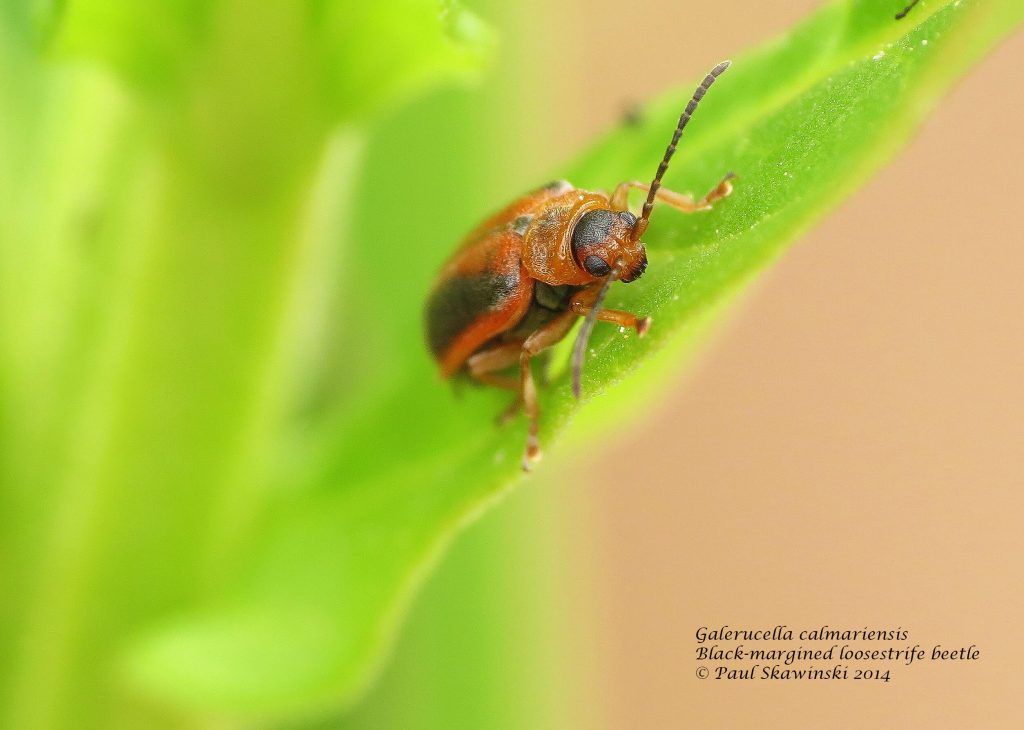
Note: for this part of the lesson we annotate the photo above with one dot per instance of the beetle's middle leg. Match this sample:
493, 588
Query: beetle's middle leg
545, 337
679, 201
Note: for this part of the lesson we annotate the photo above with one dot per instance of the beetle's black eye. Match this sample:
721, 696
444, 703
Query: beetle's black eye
596, 266
628, 218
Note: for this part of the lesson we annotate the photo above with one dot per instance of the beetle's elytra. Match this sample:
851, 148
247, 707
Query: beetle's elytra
521, 279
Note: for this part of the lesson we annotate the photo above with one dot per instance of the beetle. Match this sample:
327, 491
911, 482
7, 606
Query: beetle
522, 278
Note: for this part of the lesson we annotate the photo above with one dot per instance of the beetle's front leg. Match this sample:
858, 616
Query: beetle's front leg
581, 305
679, 201
545, 337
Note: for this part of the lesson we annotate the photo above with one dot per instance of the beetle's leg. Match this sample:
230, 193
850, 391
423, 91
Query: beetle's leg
679, 201
499, 381
616, 316
540, 340
482, 367
581, 306
485, 363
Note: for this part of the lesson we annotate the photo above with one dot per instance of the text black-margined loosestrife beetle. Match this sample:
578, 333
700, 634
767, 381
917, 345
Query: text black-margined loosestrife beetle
521, 279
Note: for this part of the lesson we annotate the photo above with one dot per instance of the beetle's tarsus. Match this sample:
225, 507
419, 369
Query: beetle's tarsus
643, 325
533, 454
723, 189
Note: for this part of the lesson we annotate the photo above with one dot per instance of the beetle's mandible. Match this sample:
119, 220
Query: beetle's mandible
523, 277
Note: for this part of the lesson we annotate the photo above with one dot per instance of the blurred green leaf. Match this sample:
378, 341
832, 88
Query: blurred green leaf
368, 55
392, 475
150, 44
368, 58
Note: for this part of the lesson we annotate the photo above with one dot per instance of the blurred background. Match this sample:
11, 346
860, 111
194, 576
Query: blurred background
847, 450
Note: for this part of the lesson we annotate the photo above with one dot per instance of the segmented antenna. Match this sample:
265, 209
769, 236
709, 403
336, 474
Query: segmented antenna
684, 118
903, 13
579, 348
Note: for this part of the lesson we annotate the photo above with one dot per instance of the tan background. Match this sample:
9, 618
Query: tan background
849, 450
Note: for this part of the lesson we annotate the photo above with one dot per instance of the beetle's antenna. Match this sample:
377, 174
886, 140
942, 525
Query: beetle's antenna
903, 13
579, 348
684, 118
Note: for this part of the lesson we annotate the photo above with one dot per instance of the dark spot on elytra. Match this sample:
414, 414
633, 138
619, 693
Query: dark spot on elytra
456, 303
520, 224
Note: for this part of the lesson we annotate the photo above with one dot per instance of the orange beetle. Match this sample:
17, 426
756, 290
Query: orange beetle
521, 279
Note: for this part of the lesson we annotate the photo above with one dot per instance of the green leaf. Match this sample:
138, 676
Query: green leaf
396, 470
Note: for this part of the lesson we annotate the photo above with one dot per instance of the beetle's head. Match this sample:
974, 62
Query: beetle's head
602, 237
